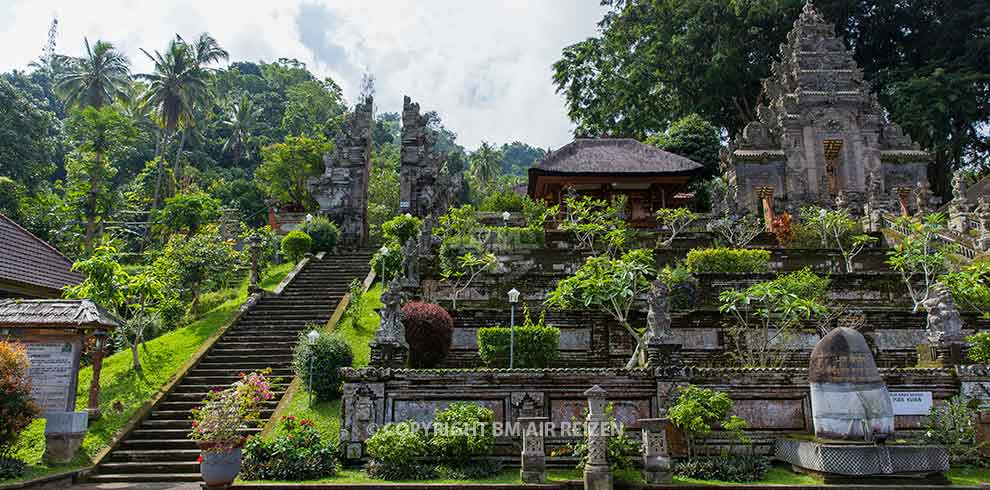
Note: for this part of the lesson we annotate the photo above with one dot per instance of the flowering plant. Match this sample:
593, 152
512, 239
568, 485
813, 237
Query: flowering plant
218, 422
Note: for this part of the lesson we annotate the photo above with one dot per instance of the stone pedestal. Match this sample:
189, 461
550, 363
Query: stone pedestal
64, 433
843, 462
389, 354
534, 459
656, 456
597, 474
663, 354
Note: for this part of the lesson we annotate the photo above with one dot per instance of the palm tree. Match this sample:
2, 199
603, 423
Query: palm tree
241, 119
95, 79
486, 164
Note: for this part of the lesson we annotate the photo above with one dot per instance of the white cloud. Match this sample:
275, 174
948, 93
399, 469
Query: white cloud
484, 66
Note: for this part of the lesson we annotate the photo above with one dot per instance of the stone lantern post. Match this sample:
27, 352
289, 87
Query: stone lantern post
597, 474
656, 456
534, 459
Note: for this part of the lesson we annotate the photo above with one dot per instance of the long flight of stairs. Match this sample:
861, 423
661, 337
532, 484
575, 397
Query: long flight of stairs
159, 449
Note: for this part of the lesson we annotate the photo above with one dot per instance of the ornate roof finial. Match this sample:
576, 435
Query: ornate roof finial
810, 12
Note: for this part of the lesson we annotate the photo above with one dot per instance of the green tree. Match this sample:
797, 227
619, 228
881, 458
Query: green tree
241, 119
920, 257
288, 165
383, 187
518, 157
96, 79
692, 137
486, 165
187, 213
11, 193
194, 263
27, 137
611, 285
101, 136
313, 108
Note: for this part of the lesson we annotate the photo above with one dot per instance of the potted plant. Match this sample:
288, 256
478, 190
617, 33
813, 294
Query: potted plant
217, 427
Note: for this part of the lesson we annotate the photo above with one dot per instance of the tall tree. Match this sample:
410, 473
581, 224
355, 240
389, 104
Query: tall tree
288, 165
692, 137
27, 142
96, 79
240, 120
100, 137
486, 164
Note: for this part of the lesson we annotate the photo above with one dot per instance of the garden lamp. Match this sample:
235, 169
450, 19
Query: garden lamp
384, 251
505, 217
309, 217
312, 337
513, 299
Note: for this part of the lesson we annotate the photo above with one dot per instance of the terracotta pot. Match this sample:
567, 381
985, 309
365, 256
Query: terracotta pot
220, 469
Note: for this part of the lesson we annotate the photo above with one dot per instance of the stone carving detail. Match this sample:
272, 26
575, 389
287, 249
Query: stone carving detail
534, 465
944, 322
390, 349
527, 404
597, 474
959, 216
658, 315
363, 410
656, 456
922, 197
410, 261
815, 98
342, 190
983, 218
424, 186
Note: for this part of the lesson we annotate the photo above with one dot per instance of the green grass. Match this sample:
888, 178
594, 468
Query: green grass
124, 391
969, 476
359, 333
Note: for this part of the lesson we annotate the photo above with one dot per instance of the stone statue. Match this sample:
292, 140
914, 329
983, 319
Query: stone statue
958, 186
849, 400
426, 237
875, 190
983, 218
840, 200
658, 314
944, 321
391, 329
410, 261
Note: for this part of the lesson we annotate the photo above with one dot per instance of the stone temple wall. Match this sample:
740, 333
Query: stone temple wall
774, 401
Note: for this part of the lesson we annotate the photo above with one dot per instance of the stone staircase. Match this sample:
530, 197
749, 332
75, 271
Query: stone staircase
159, 450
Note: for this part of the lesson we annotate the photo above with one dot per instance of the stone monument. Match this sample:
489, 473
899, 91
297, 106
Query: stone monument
959, 208
983, 221
854, 421
661, 347
534, 459
597, 473
410, 262
820, 131
342, 190
390, 349
656, 455
425, 188
946, 341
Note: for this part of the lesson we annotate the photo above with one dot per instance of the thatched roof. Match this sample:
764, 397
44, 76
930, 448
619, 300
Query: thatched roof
613, 156
28, 260
55, 313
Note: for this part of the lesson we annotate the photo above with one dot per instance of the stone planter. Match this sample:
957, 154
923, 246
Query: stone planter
219, 469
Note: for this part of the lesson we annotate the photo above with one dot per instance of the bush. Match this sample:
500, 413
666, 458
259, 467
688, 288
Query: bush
393, 261
429, 329
323, 232
17, 409
535, 344
296, 244
504, 201
619, 449
400, 229
462, 432
297, 452
979, 347
395, 452
696, 411
951, 426
471, 470
727, 468
728, 260
682, 285
330, 352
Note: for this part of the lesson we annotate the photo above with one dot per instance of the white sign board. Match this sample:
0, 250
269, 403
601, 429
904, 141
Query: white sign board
51, 371
911, 402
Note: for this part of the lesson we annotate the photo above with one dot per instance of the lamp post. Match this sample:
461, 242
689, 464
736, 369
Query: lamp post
505, 218
513, 299
312, 336
384, 251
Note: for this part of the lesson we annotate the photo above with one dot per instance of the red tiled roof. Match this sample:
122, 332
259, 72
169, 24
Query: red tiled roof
29, 260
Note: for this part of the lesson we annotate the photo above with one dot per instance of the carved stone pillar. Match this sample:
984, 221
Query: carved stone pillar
903, 193
765, 194
597, 474
390, 349
363, 413
534, 459
656, 457
983, 219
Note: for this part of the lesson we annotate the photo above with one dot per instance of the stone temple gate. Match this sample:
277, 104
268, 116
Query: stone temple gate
821, 137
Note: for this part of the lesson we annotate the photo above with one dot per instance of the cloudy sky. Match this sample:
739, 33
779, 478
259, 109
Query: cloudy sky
484, 65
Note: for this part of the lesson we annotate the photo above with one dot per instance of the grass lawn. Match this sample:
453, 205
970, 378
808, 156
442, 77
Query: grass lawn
129, 389
969, 476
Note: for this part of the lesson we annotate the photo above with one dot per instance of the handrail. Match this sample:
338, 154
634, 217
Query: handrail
965, 249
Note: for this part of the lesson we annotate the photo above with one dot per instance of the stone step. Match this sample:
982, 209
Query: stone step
255, 356
187, 415
189, 405
145, 477
150, 436
233, 372
199, 396
287, 316
181, 442
260, 338
243, 367
154, 467
148, 455
280, 349
231, 345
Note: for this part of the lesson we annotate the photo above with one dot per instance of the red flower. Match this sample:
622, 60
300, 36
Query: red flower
199, 459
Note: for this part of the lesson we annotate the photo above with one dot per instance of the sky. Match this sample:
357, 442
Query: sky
484, 65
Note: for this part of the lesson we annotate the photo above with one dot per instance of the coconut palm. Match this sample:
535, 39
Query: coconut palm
241, 119
96, 79
486, 164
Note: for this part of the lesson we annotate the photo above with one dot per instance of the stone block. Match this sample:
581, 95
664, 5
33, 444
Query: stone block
64, 433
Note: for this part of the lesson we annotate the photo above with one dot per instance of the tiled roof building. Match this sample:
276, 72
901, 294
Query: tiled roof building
30, 267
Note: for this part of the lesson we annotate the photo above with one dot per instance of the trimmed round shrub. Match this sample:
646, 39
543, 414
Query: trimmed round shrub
396, 451
323, 232
429, 329
462, 432
17, 409
296, 244
297, 452
329, 353
535, 346
401, 228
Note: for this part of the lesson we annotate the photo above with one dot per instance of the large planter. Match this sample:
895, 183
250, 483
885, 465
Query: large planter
219, 469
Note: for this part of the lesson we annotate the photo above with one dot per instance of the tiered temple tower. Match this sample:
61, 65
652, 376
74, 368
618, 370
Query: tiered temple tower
821, 136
